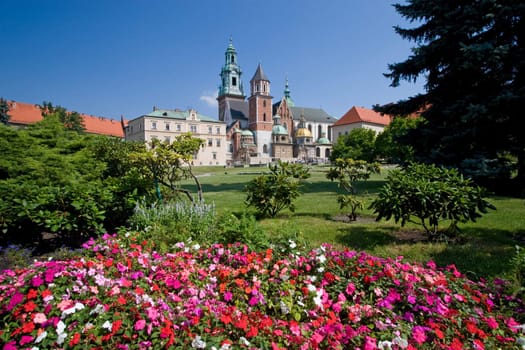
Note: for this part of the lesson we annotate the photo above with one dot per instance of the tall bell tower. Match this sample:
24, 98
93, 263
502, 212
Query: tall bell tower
231, 87
260, 116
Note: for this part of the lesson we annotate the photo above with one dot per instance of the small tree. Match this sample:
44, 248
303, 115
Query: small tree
4, 111
168, 164
389, 144
270, 193
358, 144
347, 172
431, 194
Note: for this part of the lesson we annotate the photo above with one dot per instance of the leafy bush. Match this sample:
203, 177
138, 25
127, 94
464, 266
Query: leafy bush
243, 229
431, 194
178, 221
272, 192
518, 271
347, 171
125, 295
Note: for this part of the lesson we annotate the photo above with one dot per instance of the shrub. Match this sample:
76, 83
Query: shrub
178, 221
347, 171
431, 194
270, 193
243, 229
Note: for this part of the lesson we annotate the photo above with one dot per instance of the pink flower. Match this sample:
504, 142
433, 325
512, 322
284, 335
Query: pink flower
228, 296
350, 288
370, 343
139, 325
40, 318
418, 334
492, 323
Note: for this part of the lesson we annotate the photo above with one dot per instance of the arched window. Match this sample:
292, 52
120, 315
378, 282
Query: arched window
264, 103
319, 131
264, 116
310, 127
317, 152
265, 149
327, 153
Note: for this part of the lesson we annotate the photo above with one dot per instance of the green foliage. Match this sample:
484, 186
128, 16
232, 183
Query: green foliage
70, 184
70, 120
243, 229
390, 145
518, 271
4, 111
347, 171
272, 192
175, 221
472, 58
169, 164
431, 194
358, 144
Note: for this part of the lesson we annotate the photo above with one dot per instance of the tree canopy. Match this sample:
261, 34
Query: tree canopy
4, 111
71, 120
357, 145
472, 56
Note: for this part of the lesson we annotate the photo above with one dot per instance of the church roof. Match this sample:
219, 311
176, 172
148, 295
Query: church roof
316, 115
239, 109
259, 74
360, 115
25, 113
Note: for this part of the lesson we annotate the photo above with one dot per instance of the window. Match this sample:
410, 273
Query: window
317, 152
193, 128
264, 116
210, 142
319, 131
154, 125
214, 155
327, 153
264, 103
218, 142
234, 81
178, 127
167, 139
167, 127
265, 149
218, 130
310, 127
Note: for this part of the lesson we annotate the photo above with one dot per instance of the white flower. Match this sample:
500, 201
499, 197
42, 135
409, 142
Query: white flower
244, 341
107, 325
196, 246
198, 343
60, 327
318, 297
311, 288
99, 309
321, 258
285, 310
61, 337
402, 343
292, 244
41, 337
384, 345
320, 269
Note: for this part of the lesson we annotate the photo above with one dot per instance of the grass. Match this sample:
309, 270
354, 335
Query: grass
484, 251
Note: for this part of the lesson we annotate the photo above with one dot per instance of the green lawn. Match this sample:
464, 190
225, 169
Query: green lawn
485, 250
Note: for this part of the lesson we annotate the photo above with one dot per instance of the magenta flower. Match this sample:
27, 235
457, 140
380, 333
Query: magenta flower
139, 325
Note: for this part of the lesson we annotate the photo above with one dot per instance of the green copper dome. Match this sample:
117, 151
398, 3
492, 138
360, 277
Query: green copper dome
323, 141
279, 130
246, 133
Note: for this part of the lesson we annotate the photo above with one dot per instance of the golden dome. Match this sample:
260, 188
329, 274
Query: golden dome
303, 132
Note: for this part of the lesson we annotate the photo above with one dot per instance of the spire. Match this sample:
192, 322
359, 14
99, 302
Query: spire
259, 74
287, 95
231, 83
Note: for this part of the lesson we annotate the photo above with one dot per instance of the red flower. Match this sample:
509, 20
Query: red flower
456, 344
29, 306
75, 340
32, 294
115, 327
28, 327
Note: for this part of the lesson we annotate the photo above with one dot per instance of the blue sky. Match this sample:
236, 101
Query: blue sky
122, 57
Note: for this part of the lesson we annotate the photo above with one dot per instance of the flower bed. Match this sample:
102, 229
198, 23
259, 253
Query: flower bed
124, 295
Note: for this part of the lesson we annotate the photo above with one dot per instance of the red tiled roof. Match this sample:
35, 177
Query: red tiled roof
26, 113
360, 115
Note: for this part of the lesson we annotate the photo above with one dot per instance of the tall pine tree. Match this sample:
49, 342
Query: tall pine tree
472, 55
4, 111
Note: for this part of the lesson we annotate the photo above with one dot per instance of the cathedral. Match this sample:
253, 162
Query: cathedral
260, 131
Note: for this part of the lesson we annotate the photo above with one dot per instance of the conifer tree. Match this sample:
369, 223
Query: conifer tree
472, 55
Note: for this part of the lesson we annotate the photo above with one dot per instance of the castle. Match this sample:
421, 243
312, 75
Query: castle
260, 131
